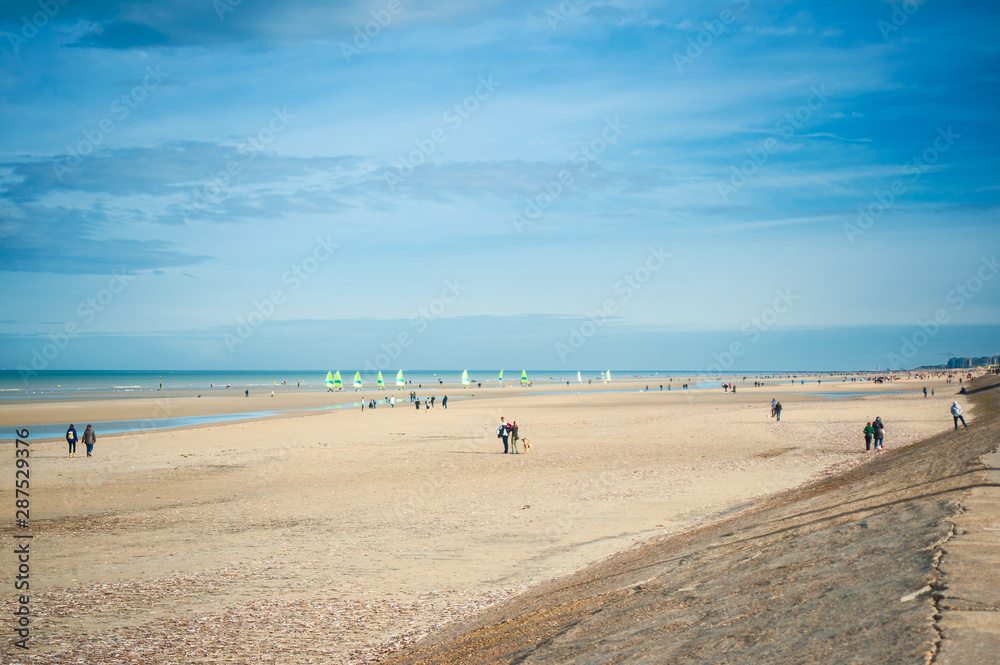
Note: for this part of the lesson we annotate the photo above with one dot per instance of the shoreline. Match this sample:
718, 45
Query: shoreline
175, 409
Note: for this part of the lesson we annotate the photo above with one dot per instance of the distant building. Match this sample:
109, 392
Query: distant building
969, 363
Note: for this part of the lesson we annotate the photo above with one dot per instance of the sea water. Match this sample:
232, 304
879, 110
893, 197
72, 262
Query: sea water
68, 383
93, 384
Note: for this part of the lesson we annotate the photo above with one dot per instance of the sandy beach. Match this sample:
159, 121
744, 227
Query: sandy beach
337, 535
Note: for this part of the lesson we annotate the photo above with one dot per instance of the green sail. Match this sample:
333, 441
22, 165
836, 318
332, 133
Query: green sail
607, 377
500, 378
524, 377
357, 380
399, 380
337, 381
329, 379
381, 383
465, 378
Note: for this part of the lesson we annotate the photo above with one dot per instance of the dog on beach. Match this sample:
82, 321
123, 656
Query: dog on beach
526, 443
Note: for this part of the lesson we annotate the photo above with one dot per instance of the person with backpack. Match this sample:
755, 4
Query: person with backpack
71, 439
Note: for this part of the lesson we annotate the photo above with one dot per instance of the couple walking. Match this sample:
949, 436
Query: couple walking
875, 434
89, 439
508, 432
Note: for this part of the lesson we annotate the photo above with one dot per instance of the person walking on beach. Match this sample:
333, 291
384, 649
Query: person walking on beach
89, 439
71, 440
869, 433
777, 411
444, 402
503, 433
925, 392
879, 433
774, 403
956, 414
247, 392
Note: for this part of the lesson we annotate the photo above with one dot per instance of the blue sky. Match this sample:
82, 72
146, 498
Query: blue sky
558, 185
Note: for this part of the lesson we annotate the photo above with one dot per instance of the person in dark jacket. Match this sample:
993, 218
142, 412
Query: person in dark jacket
89, 439
503, 432
71, 440
879, 428
777, 411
